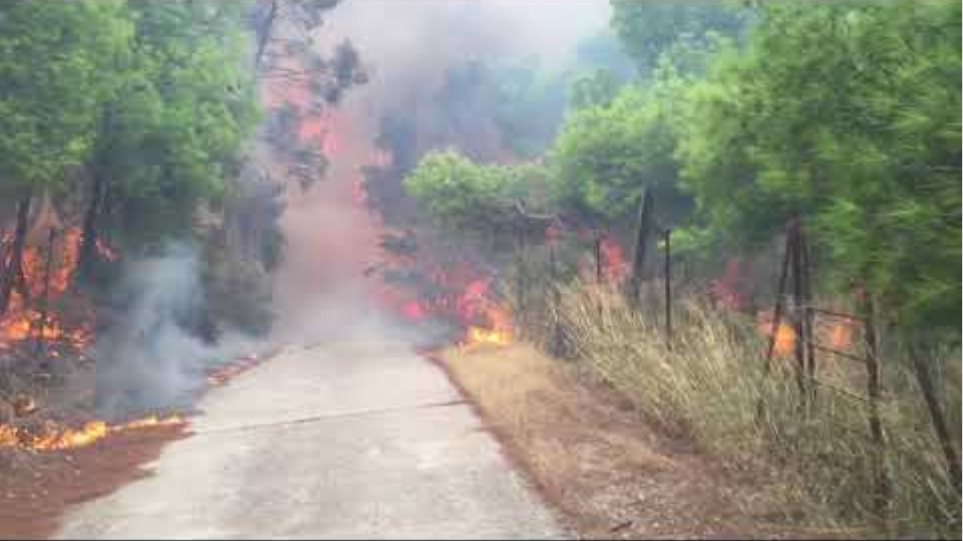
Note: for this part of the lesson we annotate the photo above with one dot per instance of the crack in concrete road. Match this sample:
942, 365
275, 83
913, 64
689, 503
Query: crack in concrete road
327, 417
384, 447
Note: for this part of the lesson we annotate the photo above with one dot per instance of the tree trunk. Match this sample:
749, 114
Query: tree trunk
88, 247
40, 344
14, 270
874, 390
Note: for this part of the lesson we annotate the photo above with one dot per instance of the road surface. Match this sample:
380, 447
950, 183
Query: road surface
360, 438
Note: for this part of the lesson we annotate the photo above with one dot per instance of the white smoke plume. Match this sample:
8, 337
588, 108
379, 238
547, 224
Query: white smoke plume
151, 358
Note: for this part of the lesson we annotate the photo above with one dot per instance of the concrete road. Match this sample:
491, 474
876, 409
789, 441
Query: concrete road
359, 438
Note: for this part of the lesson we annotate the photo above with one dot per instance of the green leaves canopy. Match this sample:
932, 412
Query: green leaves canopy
53, 56
606, 154
183, 107
848, 114
459, 193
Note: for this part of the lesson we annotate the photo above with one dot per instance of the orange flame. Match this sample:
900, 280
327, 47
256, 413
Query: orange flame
785, 343
478, 335
841, 335
615, 265
223, 374
55, 438
21, 321
497, 332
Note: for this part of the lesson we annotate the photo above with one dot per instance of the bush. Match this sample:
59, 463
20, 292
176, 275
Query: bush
709, 386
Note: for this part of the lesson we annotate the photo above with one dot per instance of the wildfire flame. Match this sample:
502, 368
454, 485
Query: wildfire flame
615, 266
727, 290
785, 342
491, 323
498, 334
841, 335
21, 321
55, 438
223, 374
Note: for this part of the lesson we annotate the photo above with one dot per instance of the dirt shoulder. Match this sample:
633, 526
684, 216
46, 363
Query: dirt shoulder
607, 472
37, 487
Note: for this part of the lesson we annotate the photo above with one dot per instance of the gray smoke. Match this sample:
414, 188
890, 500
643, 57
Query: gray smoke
408, 48
151, 357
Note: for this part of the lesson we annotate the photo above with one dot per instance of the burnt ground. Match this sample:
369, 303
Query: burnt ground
37, 487
606, 471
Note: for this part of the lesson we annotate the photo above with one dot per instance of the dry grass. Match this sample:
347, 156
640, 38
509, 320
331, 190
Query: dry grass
595, 459
709, 386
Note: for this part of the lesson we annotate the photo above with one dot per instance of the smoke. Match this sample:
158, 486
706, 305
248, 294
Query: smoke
151, 357
407, 48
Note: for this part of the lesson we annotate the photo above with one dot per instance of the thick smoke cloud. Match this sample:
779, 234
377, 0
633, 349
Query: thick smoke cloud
407, 48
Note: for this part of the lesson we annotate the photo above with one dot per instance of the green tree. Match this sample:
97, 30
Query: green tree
461, 194
597, 88
605, 156
649, 28
172, 130
53, 56
479, 201
847, 114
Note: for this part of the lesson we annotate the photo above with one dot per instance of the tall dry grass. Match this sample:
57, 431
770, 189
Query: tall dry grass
710, 383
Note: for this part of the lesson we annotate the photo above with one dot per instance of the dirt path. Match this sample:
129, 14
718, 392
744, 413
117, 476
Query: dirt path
359, 438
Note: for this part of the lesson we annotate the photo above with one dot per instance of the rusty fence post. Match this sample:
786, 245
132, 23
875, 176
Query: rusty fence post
556, 302
798, 321
776, 318
641, 243
667, 271
873, 387
521, 280
808, 315
937, 419
598, 260
599, 276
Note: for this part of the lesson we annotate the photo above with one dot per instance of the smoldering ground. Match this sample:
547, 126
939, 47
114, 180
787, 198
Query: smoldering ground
152, 356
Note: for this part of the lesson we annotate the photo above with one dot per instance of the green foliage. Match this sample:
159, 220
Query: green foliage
53, 56
478, 201
461, 194
604, 51
597, 88
180, 112
607, 154
649, 28
847, 114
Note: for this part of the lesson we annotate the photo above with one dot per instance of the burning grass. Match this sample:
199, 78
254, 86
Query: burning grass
709, 384
36, 488
54, 437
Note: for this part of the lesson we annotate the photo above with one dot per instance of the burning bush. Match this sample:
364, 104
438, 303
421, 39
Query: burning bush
40, 308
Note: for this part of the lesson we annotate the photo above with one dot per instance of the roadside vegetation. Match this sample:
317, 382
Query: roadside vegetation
746, 122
